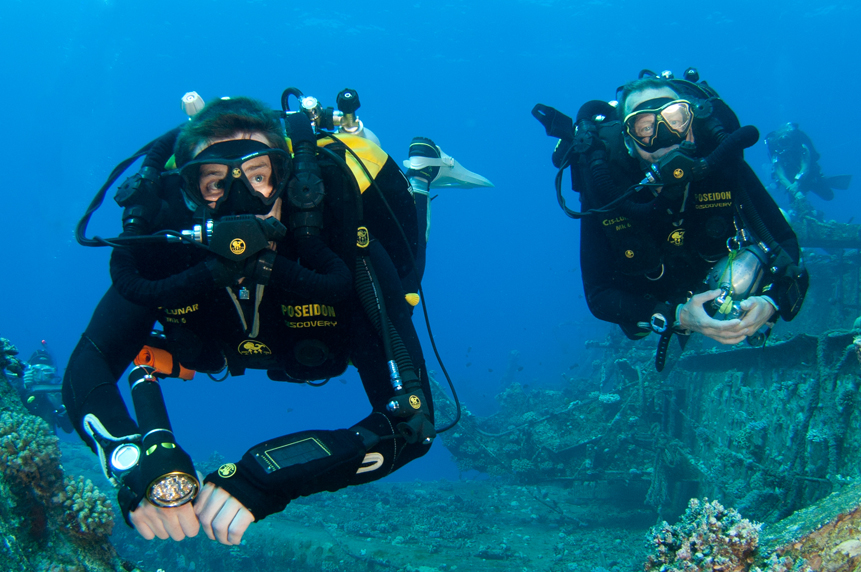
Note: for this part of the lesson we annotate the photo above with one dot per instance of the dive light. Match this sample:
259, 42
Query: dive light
167, 471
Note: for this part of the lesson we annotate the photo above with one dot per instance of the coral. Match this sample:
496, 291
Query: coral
522, 465
8, 361
608, 398
65, 568
29, 455
709, 537
777, 563
87, 511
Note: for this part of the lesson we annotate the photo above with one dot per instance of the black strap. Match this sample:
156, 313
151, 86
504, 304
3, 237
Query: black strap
663, 346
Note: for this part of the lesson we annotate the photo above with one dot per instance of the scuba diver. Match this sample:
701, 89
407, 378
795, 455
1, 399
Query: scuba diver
40, 390
795, 165
677, 233
252, 251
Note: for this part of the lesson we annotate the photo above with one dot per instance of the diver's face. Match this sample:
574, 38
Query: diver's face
258, 171
645, 124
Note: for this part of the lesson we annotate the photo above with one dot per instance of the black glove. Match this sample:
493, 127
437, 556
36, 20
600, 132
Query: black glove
224, 272
259, 268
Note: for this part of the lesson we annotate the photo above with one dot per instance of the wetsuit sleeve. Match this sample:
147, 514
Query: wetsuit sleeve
174, 290
330, 279
331, 460
115, 334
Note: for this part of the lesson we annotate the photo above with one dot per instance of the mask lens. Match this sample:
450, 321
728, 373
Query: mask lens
258, 174
643, 127
677, 116
212, 181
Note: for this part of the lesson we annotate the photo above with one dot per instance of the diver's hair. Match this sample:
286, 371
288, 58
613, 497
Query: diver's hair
224, 118
638, 85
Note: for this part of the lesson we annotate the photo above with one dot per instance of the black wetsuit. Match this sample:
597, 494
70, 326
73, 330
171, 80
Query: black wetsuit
643, 259
311, 325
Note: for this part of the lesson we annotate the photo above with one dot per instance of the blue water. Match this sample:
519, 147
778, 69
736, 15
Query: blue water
87, 83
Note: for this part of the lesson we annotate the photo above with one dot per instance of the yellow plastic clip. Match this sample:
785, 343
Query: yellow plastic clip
726, 307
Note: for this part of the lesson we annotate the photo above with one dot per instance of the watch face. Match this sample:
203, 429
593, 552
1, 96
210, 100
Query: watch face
659, 323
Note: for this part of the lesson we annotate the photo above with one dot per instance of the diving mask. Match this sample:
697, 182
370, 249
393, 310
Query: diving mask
211, 178
659, 123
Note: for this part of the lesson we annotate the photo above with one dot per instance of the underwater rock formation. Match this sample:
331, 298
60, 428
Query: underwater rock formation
49, 523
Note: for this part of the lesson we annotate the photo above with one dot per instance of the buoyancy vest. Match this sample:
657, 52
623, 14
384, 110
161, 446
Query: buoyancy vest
295, 338
680, 232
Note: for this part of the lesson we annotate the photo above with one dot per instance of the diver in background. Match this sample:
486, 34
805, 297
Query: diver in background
37, 384
302, 308
795, 165
40, 390
645, 256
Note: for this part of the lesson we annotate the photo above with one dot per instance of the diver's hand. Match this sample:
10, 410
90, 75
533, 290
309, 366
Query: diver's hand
224, 272
792, 188
223, 517
757, 311
693, 317
176, 523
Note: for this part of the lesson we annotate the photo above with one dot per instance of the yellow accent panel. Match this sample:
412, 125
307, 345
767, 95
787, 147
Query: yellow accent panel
371, 155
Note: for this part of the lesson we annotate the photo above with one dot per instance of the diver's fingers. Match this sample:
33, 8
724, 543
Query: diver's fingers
203, 497
239, 525
142, 527
209, 507
230, 524
726, 332
145, 519
758, 311
707, 296
187, 520
170, 518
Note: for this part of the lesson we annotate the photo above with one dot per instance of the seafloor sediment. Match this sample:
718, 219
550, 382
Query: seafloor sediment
476, 525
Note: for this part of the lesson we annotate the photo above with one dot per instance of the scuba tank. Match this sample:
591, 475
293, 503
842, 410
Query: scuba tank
738, 276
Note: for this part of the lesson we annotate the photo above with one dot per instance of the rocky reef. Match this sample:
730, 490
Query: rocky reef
49, 521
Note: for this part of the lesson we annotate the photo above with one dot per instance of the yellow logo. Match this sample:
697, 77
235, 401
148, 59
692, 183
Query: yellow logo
237, 172
677, 237
364, 238
415, 402
237, 246
227, 470
252, 348
678, 173
629, 254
